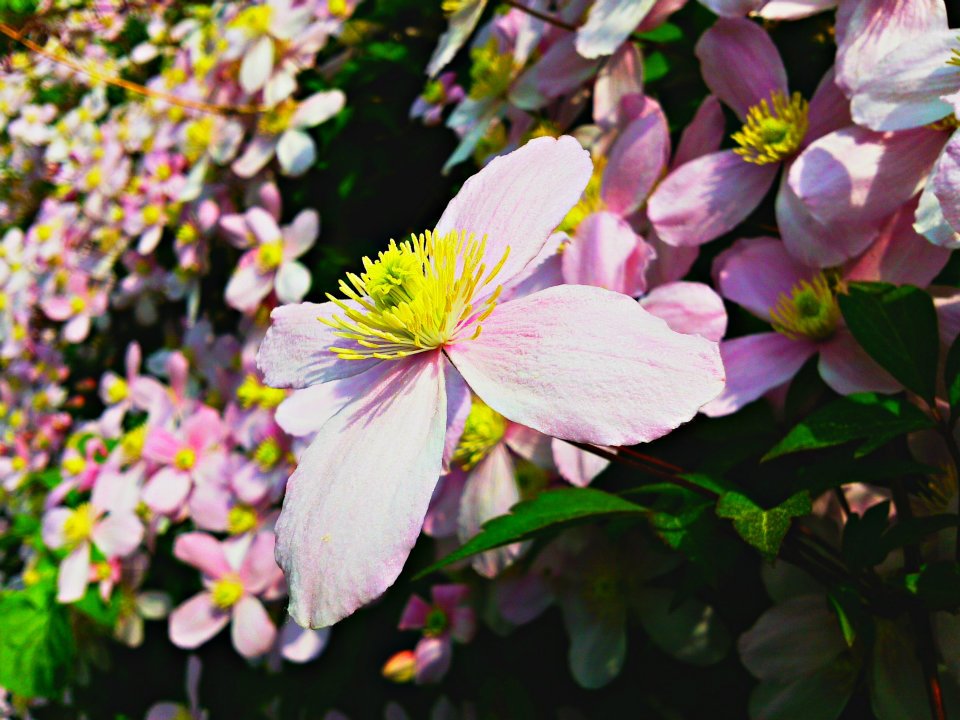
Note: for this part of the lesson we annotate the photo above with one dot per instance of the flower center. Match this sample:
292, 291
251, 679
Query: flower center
227, 591
435, 93
152, 214
415, 296
185, 459
268, 454
954, 57
492, 71
270, 255
590, 202
603, 590
79, 524
241, 519
436, 623
254, 20
809, 311
132, 443
252, 392
484, 429
117, 391
77, 305
278, 119
769, 136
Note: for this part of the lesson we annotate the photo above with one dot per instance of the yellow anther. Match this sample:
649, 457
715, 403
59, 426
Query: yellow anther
241, 519
151, 214
226, 592
590, 202
268, 454
483, 430
117, 390
418, 295
769, 136
79, 524
132, 443
809, 311
185, 459
74, 464
401, 668
278, 119
492, 71
255, 20
270, 255
77, 305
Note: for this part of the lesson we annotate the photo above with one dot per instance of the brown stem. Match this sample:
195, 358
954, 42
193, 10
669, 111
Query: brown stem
547, 18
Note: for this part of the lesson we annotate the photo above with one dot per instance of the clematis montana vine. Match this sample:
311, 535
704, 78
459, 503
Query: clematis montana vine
387, 372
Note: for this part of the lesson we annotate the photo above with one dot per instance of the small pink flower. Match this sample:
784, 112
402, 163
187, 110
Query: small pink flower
444, 620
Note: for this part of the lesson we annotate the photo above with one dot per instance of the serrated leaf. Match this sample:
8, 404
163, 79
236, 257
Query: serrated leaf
762, 529
897, 326
548, 510
862, 416
36, 645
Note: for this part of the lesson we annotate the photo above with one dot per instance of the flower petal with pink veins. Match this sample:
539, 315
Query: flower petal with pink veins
491, 490
867, 30
247, 287
740, 64
196, 621
946, 182
118, 535
700, 201
756, 364
846, 367
518, 199
167, 490
620, 77
754, 272
259, 569
690, 308
587, 364
73, 575
600, 253
292, 282
204, 552
296, 350
578, 467
252, 631
356, 503
903, 89
608, 25
704, 134
636, 161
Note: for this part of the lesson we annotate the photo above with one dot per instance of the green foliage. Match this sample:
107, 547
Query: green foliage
951, 376
655, 66
93, 606
696, 532
897, 326
665, 33
875, 419
17, 7
36, 643
861, 545
548, 510
763, 529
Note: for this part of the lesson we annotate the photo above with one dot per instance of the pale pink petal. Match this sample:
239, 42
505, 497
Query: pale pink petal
296, 152
518, 199
868, 30
318, 108
77, 329
292, 282
930, 221
161, 445
857, 174
756, 364
491, 490
118, 534
204, 552
946, 181
441, 518
57, 308
707, 197
296, 350
688, 307
620, 77
608, 24
257, 65
578, 467
754, 272
301, 645
829, 108
252, 631
259, 152
671, 263
530, 445
847, 368
433, 656
732, 8
52, 528
166, 491
355, 505
458, 409
74, 574
247, 288
600, 254
740, 64
259, 569
301, 234
262, 225
539, 362
196, 621
903, 89
794, 9
561, 70
704, 134
636, 161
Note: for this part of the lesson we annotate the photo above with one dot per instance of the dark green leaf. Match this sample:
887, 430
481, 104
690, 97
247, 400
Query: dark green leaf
951, 375
897, 326
861, 536
914, 530
36, 645
763, 529
93, 606
665, 33
655, 66
863, 416
548, 510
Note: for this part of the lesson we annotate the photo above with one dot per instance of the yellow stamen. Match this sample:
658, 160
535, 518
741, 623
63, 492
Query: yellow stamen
117, 391
79, 525
809, 311
492, 71
227, 592
185, 459
270, 255
416, 296
132, 443
268, 454
483, 430
769, 136
949, 123
241, 519
590, 202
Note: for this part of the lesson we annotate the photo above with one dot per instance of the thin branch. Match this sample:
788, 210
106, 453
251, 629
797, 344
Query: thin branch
547, 18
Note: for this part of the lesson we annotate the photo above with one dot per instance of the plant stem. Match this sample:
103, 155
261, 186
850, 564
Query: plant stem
547, 18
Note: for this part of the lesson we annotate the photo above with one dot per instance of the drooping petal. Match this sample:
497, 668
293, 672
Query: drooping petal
301, 645
441, 518
688, 307
846, 367
74, 574
740, 64
252, 631
707, 197
578, 467
196, 621
608, 24
202, 551
636, 161
257, 65
562, 361
620, 77
829, 108
433, 656
518, 199
355, 505
794, 9
754, 365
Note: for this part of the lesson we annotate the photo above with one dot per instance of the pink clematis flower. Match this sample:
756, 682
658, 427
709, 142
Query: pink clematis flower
236, 575
120, 394
445, 619
76, 306
108, 522
389, 369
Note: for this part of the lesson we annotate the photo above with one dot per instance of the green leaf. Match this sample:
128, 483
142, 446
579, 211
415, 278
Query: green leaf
655, 66
548, 510
665, 33
864, 416
763, 529
861, 537
951, 376
697, 534
93, 606
897, 326
36, 645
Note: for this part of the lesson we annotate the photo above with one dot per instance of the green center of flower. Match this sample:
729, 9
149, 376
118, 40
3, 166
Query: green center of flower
436, 623
241, 519
227, 592
79, 524
416, 296
603, 590
185, 459
434, 93
483, 429
769, 136
492, 71
809, 310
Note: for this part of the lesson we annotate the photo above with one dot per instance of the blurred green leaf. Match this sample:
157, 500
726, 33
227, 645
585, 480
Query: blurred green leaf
951, 376
655, 66
763, 529
36, 644
665, 33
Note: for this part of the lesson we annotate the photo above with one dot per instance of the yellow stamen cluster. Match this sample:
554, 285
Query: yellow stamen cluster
277, 119
132, 443
79, 525
226, 592
949, 123
254, 20
268, 454
117, 390
253, 392
769, 136
452, 7
590, 202
954, 57
185, 459
270, 256
241, 519
492, 71
809, 311
416, 296
482, 431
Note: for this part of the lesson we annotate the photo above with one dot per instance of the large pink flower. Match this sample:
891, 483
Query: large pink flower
387, 371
